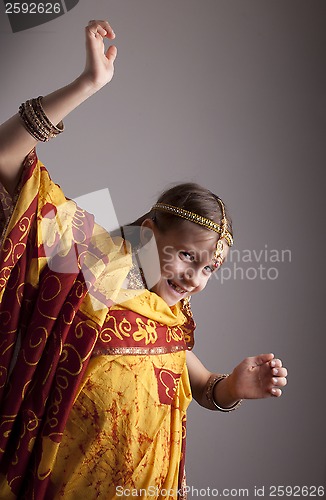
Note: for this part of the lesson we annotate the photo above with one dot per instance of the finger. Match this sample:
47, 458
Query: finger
279, 381
276, 363
101, 27
276, 392
97, 30
280, 372
109, 29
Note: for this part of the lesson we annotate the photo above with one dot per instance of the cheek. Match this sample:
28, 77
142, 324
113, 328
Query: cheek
172, 267
167, 264
202, 284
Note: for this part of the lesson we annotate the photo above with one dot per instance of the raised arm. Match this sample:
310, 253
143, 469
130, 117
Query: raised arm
254, 378
16, 142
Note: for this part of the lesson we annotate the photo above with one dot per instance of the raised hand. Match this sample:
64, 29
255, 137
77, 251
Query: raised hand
258, 377
99, 68
15, 140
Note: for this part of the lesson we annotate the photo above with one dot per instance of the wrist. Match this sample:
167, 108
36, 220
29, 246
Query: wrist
232, 388
219, 395
85, 87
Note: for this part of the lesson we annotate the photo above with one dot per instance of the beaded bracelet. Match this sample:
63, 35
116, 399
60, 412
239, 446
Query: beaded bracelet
36, 121
212, 381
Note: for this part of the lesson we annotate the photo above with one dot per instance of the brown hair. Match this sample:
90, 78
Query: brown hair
189, 196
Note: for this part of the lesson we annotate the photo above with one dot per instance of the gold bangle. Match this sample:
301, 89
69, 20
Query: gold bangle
55, 129
38, 136
36, 121
214, 379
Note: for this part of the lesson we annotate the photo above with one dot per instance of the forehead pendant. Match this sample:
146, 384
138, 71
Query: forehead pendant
218, 254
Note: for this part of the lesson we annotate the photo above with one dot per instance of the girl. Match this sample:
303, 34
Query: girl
96, 363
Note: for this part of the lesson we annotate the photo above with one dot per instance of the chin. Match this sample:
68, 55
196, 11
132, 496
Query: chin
170, 296
170, 302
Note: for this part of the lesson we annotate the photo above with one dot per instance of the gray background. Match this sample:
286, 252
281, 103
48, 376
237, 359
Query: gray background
231, 94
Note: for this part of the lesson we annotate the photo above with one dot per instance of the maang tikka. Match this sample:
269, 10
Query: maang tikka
218, 254
221, 228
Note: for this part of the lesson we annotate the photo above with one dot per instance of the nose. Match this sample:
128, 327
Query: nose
191, 277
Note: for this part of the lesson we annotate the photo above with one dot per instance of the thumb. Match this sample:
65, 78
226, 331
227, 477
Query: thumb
111, 53
263, 358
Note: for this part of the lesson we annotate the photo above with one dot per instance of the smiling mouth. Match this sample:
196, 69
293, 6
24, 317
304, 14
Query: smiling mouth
176, 288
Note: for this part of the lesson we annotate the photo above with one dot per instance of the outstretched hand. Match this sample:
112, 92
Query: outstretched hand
99, 68
258, 377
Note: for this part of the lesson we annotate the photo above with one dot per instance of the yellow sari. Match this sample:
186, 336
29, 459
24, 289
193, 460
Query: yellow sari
126, 429
93, 393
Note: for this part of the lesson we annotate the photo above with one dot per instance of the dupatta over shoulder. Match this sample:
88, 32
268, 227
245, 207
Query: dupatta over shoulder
62, 283
59, 273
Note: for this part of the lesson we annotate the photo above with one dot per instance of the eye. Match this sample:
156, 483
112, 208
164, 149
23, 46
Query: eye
209, 269
186, 256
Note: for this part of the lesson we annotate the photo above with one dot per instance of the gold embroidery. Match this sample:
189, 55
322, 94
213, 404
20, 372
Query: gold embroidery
175, 333
98, 351
147, 331
24, 225
121, 330
167, 374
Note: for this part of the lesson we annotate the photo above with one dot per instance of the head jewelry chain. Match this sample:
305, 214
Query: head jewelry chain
221, 229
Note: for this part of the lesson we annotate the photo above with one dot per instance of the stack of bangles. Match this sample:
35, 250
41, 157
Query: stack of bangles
212, 381
36, 122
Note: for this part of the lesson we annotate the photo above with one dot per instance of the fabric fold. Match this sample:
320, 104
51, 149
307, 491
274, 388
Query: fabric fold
93, 380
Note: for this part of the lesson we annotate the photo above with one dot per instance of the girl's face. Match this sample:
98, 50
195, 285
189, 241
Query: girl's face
186, 254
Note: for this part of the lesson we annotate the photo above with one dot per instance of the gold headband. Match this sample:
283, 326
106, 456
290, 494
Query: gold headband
199, 219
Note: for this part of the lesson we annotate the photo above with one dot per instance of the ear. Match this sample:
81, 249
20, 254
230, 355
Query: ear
147, 230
